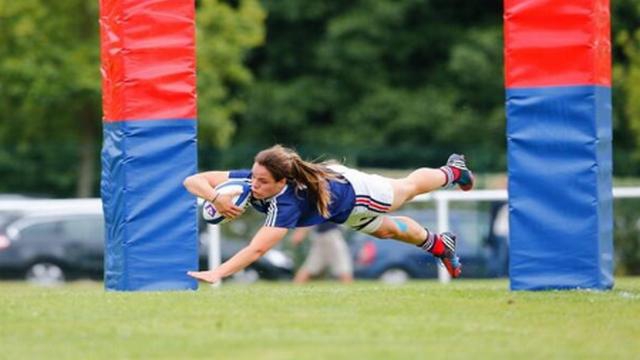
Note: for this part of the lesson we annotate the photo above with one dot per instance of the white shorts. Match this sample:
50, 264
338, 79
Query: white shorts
374, 196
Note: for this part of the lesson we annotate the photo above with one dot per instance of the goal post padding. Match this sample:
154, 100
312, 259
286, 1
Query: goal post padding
149, 147
558, 104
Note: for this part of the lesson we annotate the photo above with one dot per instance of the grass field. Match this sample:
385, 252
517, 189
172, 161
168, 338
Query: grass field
421, 320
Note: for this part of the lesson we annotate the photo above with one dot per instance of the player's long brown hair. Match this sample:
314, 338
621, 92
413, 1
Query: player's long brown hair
283, 163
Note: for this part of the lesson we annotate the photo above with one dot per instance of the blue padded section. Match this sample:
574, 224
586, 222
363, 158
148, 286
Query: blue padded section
151, 230
560, 197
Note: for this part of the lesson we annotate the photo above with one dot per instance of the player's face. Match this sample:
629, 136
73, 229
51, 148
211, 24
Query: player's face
263, 185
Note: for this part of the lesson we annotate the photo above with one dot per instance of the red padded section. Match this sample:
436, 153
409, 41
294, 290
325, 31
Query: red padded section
148, 59
557, 43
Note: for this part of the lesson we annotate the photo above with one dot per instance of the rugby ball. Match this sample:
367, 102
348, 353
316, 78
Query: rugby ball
240, 186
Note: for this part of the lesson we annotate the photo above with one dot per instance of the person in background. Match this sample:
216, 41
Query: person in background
328, 250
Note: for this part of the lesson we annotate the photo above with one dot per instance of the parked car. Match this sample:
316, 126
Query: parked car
52, 247
396, 262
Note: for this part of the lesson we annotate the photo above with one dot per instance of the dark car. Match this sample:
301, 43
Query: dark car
395, 262
53, 247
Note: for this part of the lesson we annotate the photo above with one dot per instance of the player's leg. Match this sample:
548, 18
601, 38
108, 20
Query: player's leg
313, 265
339, 257
424, 180
402, 228
420, 181
302, 276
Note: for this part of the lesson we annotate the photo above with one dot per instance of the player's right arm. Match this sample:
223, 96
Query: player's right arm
203, 185
263, 240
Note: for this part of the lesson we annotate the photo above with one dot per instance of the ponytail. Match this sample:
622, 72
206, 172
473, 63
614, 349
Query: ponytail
283, 162
315, 177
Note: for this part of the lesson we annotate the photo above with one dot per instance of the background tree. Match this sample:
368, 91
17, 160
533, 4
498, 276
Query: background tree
385, 83
363, 77
225, 32
626, 86
50, 88
50, 94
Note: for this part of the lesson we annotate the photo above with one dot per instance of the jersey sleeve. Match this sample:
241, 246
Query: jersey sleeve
282, 213
240, 174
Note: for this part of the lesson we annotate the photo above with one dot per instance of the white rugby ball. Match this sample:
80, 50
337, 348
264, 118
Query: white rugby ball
240, 186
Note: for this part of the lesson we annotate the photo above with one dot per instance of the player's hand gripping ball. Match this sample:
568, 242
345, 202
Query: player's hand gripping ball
233, 186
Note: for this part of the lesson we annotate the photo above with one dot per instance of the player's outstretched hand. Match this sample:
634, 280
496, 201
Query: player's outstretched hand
207, 276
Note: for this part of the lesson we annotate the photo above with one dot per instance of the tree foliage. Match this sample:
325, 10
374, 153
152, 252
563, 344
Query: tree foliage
48, 64
626, 81
224, 35
401, 83
50, 87
374, 75
395, 83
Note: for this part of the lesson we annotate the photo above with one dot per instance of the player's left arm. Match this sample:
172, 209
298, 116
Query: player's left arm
262, 241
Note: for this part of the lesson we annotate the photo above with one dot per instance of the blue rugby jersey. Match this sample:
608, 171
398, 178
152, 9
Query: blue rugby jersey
291, 208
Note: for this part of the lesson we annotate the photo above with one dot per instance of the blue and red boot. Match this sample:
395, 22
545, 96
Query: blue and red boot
444, 248
457, 172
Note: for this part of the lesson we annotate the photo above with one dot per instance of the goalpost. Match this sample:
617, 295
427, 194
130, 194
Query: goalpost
558, 101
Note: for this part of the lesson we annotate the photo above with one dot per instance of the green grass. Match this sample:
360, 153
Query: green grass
464, 319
